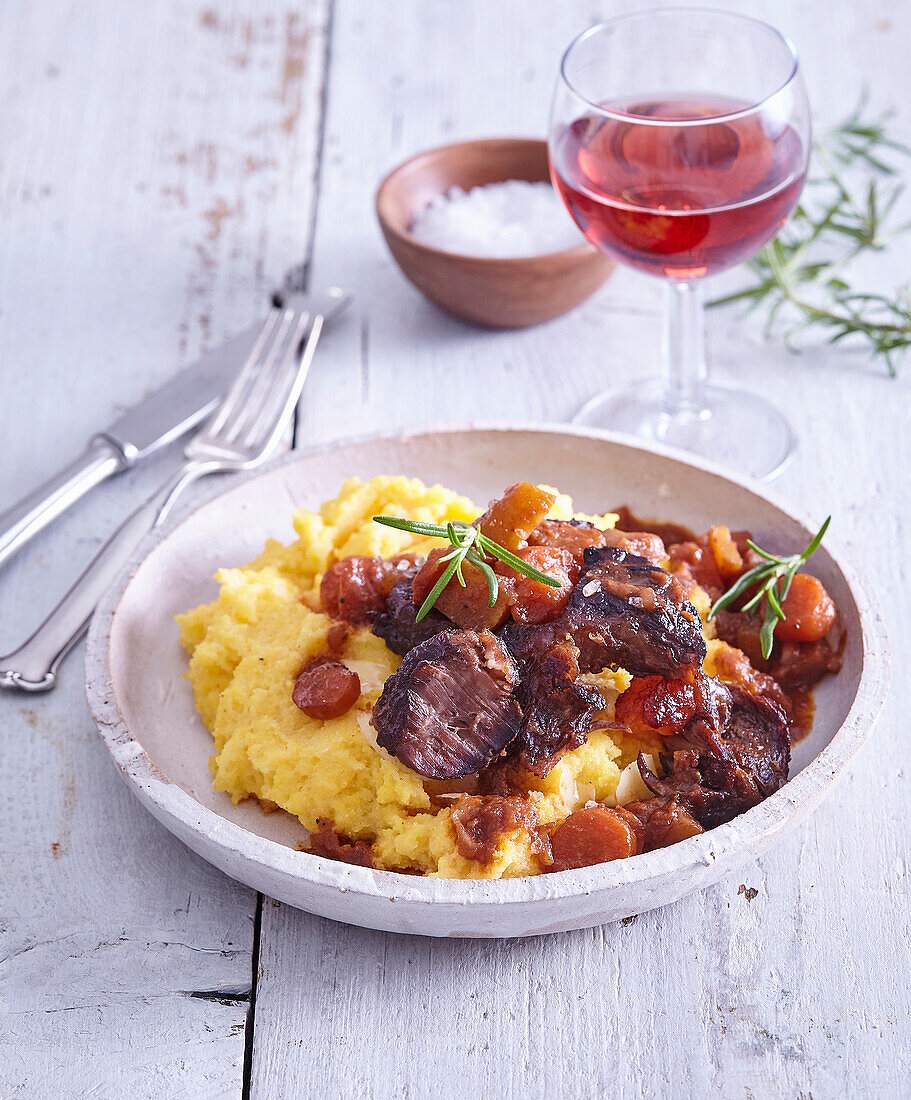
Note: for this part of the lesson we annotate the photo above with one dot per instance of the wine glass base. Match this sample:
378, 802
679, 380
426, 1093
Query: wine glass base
738, 428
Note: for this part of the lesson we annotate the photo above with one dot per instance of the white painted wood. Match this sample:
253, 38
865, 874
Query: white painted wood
156, 182
799, 991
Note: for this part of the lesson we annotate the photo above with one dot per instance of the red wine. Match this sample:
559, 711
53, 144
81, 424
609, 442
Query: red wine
678, 201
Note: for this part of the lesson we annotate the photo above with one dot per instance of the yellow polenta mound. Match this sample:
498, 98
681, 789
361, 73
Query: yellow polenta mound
247, 647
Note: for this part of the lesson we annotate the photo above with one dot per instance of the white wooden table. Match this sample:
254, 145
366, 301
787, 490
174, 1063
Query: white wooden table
162, 167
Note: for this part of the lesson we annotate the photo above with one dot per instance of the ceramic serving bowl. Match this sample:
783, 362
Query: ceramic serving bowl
499, 293
145, 712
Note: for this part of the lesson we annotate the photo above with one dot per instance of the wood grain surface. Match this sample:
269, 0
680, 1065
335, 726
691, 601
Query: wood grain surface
163, 167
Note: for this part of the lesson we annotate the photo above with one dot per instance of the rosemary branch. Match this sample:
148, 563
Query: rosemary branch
802, 274
772, 581
471, 545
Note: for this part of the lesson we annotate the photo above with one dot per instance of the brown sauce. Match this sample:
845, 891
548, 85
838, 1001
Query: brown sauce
802, 713
327, 842
669, 533
479, 822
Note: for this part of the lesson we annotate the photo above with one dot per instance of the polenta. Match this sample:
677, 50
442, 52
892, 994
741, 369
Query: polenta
247, 646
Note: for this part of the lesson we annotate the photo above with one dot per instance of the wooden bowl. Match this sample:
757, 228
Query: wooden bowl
497, 293
145, 711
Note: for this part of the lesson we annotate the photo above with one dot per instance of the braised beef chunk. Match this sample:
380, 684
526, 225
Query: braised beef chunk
661, 821
734, 753
801, 665
573, 535
450, 708
557, 709
624, 610
627, 611
396, 625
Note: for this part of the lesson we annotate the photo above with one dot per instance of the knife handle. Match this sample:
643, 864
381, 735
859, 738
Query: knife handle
33, 666
24, 520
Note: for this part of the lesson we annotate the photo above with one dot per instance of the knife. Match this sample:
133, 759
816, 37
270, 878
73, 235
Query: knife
170, 412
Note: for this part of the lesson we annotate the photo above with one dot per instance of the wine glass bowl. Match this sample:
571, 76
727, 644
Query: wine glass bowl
679, 142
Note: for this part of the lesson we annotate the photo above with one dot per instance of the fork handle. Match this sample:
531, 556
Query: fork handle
33, 666
24, 520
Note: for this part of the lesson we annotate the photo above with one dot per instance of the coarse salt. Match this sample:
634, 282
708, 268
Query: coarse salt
498, 220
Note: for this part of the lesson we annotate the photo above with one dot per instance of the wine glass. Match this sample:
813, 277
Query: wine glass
679, 142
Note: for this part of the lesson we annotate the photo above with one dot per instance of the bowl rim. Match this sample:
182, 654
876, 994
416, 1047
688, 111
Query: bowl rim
168, 801
391, 226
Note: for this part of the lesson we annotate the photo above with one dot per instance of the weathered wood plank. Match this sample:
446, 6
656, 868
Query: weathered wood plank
157, 181
795, 989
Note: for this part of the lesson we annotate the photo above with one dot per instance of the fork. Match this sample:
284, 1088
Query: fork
241, 434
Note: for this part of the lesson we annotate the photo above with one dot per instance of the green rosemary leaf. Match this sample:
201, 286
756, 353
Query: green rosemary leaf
816, 540
766, 636
434, 592
774, 604
764, 553
412, 526
514, 562
493, 587
754, 576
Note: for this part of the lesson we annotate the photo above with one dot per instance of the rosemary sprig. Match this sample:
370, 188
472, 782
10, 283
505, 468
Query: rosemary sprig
468, 544
773, 578
801, 274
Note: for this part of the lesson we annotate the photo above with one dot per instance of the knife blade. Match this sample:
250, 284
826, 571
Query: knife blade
175, 408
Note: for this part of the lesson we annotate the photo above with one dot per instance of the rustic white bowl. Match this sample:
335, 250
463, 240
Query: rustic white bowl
146, 716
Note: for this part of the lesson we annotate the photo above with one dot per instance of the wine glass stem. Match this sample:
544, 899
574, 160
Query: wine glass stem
684, 351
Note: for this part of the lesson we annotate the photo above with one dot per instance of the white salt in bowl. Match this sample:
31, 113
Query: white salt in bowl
496, 292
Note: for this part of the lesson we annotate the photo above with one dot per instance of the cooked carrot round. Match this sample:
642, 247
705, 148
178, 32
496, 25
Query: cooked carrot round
809, 611
594, 835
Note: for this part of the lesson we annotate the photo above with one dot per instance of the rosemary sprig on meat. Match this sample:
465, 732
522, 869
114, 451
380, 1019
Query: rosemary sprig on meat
845, 212
772, 580
470, 545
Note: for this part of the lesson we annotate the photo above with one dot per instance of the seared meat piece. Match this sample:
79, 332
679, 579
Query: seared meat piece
396, 625
557, 710
625, 611
729, 757
450, 708
801, 665
660, 822
573, 535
